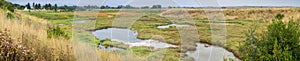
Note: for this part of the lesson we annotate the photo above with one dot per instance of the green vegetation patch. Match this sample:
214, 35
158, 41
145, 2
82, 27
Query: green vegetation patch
49, 15
141, 51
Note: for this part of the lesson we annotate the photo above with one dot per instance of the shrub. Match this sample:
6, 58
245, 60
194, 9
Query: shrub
56, 32
278, 43
10, 15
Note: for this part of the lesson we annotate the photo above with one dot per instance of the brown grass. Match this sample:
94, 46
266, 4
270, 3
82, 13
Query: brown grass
30, 32
251, 13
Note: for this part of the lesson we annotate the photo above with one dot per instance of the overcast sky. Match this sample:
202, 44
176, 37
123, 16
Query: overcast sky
191, 3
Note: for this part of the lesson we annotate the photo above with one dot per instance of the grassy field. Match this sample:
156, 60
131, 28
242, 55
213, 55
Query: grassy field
237, 23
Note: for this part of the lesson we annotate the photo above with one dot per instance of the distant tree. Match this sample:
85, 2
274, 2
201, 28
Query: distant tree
28, 6
156, 6
102, 7
55, 7
71, 8
49, 6
66, 8
128, 6
45, 6
18, 6
36, 6
107, 6
120, 6
145, 7
39, 6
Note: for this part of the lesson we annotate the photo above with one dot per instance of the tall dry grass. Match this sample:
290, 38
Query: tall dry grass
31, 32
263, 14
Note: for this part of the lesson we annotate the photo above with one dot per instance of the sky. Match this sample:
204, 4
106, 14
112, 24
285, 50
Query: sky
166, 3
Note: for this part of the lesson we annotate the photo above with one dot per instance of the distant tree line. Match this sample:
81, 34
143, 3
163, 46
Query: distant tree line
121, 6
38, 6
55, 7
66, 8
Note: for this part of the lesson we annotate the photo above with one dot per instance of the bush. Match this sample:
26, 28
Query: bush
56, 32
10, 15
279, 43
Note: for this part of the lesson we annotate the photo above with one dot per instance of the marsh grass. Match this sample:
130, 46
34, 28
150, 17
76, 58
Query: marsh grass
146, 27
237, 23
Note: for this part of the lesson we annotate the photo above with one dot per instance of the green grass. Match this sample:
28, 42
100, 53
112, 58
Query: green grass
141, 51
49, 15
62, 20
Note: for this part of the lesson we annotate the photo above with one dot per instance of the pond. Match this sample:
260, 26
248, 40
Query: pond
128, 37
168, 26
210, 53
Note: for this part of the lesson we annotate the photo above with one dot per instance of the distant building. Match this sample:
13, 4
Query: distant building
26, 9
44, 9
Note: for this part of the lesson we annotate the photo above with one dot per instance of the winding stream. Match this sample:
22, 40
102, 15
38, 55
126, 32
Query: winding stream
129, 37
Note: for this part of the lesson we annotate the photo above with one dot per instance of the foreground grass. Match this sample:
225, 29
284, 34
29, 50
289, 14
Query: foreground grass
31, 33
